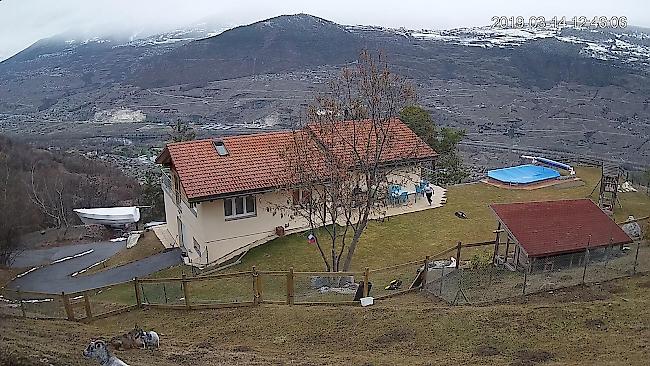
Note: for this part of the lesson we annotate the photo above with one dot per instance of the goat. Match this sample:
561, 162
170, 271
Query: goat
150, 339
97, 350
129, 340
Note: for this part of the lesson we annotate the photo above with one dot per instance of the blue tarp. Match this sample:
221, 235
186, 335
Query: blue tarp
523, 174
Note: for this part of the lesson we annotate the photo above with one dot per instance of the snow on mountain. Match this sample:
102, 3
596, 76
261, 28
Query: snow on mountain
626, 45
175, 36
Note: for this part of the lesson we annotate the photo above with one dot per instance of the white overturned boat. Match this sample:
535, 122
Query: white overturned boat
109, 216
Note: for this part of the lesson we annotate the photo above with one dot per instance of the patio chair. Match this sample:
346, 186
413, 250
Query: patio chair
403, 197
391, 197
423, 184
419, 190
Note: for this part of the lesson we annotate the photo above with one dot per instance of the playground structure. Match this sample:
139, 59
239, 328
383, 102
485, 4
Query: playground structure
609, 186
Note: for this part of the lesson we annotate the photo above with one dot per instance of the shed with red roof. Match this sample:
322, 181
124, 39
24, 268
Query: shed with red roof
552, 228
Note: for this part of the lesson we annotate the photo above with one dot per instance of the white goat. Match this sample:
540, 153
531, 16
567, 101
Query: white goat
97, 350
150, 339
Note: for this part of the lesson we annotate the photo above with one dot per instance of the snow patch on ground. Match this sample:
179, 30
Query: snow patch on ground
73, 256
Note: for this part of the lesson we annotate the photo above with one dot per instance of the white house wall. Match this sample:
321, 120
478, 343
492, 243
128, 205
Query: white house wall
221, 239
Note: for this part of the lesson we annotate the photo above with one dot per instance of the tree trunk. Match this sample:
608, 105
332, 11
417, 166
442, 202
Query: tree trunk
353, 244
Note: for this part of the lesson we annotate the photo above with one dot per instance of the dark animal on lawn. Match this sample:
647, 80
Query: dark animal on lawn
128, 340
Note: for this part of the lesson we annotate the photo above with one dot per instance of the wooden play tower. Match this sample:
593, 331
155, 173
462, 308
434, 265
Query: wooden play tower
609, 180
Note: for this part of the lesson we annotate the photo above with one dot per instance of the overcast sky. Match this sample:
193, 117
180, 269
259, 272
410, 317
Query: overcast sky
23, 22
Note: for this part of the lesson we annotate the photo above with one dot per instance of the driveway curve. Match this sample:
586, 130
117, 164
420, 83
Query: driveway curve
58, 264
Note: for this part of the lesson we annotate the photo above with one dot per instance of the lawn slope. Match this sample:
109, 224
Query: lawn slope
604, 324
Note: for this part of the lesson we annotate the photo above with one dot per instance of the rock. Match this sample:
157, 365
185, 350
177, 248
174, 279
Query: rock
319, 282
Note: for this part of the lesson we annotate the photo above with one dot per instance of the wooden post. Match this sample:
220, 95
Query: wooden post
496, 244
525, 281
260, 291
366, 273
507, 247
458, 254
22, 304
290, 286
186, 291
586, 261
89, 310
425, 272
442, 278
138, 294
636, 257
256, 290
516, 253
66, 304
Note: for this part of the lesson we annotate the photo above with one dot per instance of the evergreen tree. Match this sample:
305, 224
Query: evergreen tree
449, 165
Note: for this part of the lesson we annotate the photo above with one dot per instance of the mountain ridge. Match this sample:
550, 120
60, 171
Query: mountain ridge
262, 75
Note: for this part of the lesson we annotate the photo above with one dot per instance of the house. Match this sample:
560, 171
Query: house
553, 233
220, 194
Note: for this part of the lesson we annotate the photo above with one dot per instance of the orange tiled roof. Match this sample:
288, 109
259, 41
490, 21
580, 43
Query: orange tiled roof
258, 161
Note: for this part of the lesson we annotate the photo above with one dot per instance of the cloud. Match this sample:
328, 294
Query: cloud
23, 22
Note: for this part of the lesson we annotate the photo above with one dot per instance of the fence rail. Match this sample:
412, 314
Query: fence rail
457, 283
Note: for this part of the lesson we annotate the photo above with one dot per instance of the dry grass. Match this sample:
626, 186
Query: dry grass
8, 274
606, 324
147, 245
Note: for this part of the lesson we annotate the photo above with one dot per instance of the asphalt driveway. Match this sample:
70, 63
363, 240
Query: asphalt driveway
58, 265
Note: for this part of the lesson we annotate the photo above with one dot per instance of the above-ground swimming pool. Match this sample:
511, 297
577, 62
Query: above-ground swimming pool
523, 174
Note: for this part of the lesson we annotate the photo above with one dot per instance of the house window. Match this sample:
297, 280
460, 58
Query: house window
220, 147
177, 189
193, 209
241, 206
300, 197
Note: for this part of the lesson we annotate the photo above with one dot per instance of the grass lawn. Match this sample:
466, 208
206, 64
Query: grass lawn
147, 245
401, 239
413, 236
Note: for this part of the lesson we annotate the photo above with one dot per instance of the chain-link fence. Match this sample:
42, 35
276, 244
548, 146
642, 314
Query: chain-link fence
394, 280
32, 305
324, 287
273, 287
480, 277
475, 283
233, 288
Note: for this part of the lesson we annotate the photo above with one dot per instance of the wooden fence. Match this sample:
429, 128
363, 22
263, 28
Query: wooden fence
234, 289
238, 289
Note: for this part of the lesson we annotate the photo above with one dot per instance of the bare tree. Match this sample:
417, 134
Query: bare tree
341, 163
47, 194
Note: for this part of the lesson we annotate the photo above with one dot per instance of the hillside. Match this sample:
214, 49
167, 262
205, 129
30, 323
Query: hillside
602, 324
279, 44
40, 188
569, 91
